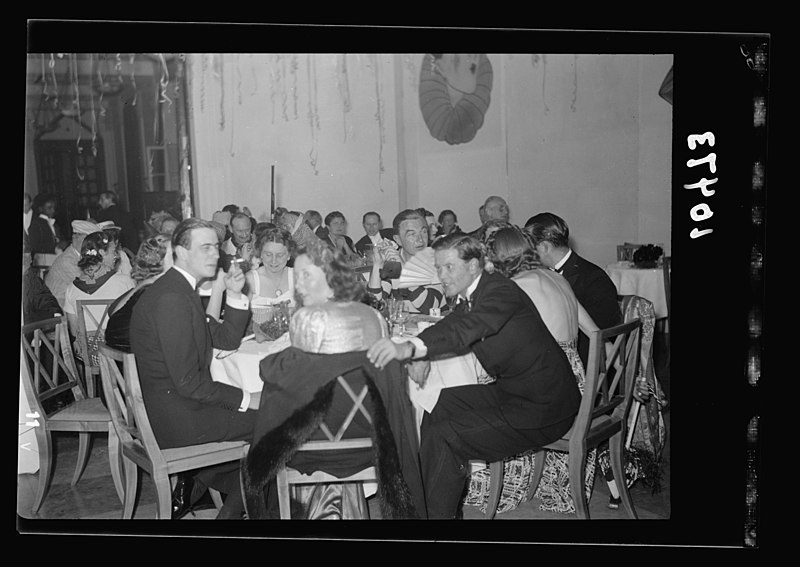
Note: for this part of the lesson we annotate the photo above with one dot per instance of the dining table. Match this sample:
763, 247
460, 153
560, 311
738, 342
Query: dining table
240, 367
644, 282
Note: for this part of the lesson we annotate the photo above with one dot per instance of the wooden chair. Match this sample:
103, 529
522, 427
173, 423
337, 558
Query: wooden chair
87, 341
123, 394
50, 375
602, 416
603, 413
287, 476
667, 267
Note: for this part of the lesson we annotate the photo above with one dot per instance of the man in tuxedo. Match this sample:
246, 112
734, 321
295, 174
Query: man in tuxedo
375, 233
532, 402
591, 284
173, 341
110, 210
44, 235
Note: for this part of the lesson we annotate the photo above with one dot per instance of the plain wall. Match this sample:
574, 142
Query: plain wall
584, 136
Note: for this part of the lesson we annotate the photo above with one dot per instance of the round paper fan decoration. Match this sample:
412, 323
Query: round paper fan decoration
454, 94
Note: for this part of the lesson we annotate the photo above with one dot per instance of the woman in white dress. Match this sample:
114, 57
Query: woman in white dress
273, 281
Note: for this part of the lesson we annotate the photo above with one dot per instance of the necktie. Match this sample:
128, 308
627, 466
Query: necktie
463, 305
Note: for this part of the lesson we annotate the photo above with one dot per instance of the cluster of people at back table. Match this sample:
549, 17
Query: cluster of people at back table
517, 298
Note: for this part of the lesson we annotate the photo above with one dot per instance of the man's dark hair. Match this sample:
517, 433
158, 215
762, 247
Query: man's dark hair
333, 215
467, 247
369, 213
183, 233
547, 227
404, 216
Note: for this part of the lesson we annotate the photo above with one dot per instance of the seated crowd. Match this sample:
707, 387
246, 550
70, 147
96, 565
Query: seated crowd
517, 298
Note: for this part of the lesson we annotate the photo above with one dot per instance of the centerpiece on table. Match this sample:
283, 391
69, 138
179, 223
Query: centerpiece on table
647, 256
271, 321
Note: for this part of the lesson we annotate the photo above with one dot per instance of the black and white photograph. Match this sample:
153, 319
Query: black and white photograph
291, 272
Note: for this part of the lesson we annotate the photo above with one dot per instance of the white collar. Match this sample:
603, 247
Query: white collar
563, 260
189, 277
472, 287
377, 238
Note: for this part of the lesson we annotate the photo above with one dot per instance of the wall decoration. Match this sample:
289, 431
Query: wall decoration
379, 114
343, 82
535, 62
313, 111
454, 94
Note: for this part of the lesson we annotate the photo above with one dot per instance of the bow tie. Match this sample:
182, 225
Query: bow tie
463, 305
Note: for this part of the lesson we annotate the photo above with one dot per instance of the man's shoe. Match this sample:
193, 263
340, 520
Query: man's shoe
182, 496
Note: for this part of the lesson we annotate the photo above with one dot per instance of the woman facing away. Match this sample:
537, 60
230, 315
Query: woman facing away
273, 281
512, 254
332, 319
98, 280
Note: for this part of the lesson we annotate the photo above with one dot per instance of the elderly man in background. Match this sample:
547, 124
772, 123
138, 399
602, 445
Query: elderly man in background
240, 244
493, 209
65, 266
294, 224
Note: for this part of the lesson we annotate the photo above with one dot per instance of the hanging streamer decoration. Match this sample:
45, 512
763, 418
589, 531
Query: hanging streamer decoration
284, 92
132, 61
344, 89
294, 66
454, 94
313, 116
379, 116
574, 84
219, 72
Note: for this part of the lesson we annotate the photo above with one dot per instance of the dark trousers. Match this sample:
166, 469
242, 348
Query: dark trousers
467, 424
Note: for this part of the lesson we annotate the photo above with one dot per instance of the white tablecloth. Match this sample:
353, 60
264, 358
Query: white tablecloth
241, 367
647, 283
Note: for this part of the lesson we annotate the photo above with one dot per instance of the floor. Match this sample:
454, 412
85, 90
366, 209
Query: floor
94, 497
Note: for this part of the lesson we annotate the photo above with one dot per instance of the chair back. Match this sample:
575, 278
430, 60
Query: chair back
123, 394
51, 372
608, 391
96, 311
667, 267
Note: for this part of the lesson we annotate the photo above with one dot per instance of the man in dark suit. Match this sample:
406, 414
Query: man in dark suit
591, 284
44, 235
173, 341
533, 401
110, 210
373, 227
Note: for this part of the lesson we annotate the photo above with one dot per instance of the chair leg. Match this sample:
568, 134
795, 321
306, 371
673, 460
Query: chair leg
163, 495
495, 488
84, 448
115, 462
45, 443
538, 470
283, 494
617, 455
577, 472
131, 482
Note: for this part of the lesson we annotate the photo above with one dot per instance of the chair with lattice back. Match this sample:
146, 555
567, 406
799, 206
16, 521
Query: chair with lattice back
59, 403
139, 447
603, 414
88, 340
287, 477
